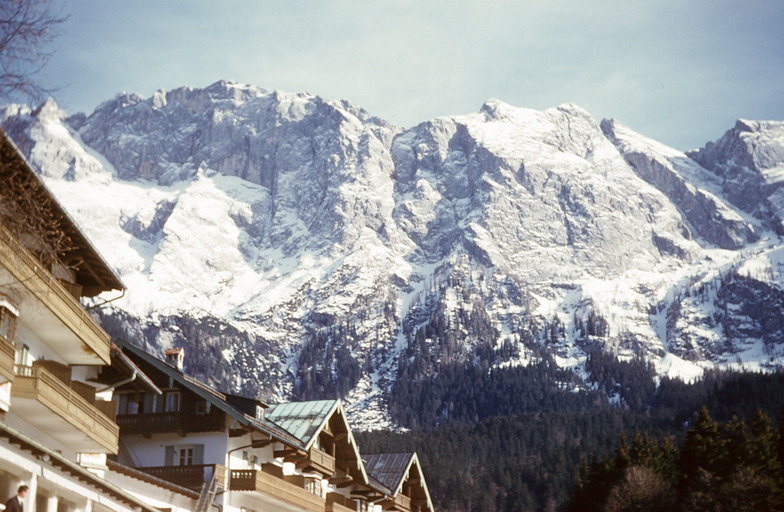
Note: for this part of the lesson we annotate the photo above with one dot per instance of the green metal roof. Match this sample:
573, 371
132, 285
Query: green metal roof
303, 420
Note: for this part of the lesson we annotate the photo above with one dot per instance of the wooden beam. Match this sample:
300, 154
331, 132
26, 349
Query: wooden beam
290, 454
341, 481
237, 432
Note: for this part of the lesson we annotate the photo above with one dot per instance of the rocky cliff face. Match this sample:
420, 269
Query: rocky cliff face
749, 161
299, 247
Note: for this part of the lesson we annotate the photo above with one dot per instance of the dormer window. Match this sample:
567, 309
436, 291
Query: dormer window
259, 412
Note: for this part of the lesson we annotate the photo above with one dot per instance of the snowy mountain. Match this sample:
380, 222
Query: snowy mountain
300, 247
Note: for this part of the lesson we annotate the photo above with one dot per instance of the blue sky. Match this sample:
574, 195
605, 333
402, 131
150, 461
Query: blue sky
679, 71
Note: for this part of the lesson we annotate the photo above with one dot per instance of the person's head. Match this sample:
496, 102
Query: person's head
22, 491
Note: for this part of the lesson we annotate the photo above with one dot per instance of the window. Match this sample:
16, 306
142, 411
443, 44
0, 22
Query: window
202, 407
313, 486
130, 403
24, 356
7, 324
172, 401
184, 455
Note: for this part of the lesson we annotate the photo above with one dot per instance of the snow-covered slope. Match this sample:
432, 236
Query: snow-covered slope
300, 247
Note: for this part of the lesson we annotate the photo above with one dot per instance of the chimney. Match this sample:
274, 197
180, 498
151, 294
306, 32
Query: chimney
175, 357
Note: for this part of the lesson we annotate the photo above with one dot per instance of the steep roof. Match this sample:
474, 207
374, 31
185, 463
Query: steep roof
122, 365
304, 420
211, 395
93, 273
389, 471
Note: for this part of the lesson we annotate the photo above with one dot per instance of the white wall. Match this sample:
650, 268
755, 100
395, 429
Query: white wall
152, 452
46, 481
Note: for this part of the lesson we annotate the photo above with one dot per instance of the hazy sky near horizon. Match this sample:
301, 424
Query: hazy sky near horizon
680, 71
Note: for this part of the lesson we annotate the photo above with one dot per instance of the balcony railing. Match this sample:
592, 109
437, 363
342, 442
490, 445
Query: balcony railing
190, 477
175, 421
26, 269
7, 353
337, 507
320, 461
402, 503
339, 503
270, 485
38, 383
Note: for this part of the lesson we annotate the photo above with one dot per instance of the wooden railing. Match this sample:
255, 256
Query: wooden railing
7, 354
46, 288
339, 503
402, 503
270, 485
320, 461
40, 384
175, 421
61, 371
190, 477
337, 507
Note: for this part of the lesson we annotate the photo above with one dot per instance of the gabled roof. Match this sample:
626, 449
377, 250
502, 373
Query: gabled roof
303, 420
119, 359
93, 273
389, 471
306, 420
209, 394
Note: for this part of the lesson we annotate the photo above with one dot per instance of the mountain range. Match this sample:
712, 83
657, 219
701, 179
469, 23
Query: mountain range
300, 247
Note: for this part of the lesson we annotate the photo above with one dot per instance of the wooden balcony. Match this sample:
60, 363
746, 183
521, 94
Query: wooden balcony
48, 403
7, 353
277, 488
50, 310
339, 503
337, 507
176, 421
191, 477
401, 503
320, 461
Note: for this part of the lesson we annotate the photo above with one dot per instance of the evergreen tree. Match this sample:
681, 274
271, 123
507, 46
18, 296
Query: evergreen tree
700, 449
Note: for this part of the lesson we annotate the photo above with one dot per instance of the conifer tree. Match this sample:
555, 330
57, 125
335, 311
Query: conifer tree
736, 445
764, 445
701, 448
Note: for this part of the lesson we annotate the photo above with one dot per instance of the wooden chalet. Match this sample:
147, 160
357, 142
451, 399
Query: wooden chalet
242, 454
56, 414
399, 479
